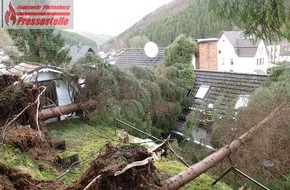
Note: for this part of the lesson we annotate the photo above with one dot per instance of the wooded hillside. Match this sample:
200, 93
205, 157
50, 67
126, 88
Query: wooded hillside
189, 17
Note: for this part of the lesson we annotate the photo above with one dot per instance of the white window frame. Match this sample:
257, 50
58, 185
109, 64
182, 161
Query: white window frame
242, 101
202, 91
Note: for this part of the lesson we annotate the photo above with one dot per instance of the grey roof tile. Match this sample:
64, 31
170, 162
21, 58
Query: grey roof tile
133, 57
243, 46
77, 52
227, 85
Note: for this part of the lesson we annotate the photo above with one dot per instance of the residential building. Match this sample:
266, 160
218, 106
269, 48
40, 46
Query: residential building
59, 90
225, 87
137, 57
284, 51
79, 51
243, 54
279, 52
229, 90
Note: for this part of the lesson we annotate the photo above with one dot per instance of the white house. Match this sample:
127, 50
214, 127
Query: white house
273, 53
284, 51
59, 90
240, 53
279, 52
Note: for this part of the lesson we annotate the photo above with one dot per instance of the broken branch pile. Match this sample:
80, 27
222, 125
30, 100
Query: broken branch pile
104, 172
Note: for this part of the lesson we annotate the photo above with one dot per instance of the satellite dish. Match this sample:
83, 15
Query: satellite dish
151, 49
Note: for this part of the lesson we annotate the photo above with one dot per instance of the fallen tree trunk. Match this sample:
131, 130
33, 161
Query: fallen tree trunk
63, 110
204, 165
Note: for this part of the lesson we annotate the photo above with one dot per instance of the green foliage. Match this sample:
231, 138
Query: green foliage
5, 39
137, 41
132, 109
278, 73
154, 91
143, 73
280, 184
178, 57
42, 46
12, 158
265, 19
203, 182
180, 51
189, 17
149, 99
165, 115
87, 63
276, 131
90, 139
187, 77
72, 38
196, 20
191, 122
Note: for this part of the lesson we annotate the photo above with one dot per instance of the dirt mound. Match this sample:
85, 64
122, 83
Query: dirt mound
12, 180
112, 159
29, 141
20, 98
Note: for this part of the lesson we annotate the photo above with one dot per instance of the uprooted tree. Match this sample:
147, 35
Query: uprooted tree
20, 102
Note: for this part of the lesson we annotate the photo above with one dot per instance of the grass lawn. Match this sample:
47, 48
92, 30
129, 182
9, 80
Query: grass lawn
86, 140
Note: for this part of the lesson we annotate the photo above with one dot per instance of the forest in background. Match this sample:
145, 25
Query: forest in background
193, 18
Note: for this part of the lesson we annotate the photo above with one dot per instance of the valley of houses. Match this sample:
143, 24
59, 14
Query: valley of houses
231, 67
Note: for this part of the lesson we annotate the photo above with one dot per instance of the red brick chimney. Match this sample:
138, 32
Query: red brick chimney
206, 54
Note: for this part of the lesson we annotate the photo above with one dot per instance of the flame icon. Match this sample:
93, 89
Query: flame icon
10, 14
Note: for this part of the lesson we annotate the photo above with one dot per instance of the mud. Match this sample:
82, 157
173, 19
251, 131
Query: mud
37, 145
110, 160
12, 180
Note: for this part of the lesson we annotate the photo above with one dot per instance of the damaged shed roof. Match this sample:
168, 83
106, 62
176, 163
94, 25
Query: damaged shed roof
24, 69
226, 86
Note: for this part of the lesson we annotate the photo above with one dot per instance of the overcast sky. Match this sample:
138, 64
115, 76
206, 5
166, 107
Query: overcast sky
111, 16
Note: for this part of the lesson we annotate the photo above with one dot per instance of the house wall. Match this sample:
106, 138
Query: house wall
284, 52
229, 61
63, 92
262, 54
284, 58
259, 63
226, 53
273, 53
207, 56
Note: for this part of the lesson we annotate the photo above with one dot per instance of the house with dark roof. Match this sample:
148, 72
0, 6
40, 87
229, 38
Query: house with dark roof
59, 90
231, 90
226, 87
240, 53
137, 57
79, 51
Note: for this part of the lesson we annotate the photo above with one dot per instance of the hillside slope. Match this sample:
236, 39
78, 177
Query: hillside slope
190, 17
